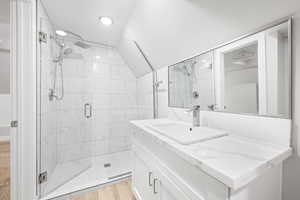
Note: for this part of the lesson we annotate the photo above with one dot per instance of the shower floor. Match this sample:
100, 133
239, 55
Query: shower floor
96, 175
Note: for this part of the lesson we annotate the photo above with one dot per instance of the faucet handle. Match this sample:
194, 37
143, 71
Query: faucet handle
212, 107
195, 107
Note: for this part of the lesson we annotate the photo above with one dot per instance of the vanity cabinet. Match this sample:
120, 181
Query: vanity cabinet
151, 184
160, 173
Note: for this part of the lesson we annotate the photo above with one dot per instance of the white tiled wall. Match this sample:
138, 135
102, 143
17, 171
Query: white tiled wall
144, 95
74, 128
114, 102
103, 80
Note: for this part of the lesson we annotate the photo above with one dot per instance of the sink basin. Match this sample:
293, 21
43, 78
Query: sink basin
184, 133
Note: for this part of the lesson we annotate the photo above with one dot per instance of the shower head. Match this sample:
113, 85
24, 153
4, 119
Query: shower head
67, 51
187, 70
80, 41
82, 44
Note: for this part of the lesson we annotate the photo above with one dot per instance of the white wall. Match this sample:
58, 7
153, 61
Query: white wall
171, 30
4, 11
5, 35
145, 96
5, 117
241, 92
291, 178
4, 71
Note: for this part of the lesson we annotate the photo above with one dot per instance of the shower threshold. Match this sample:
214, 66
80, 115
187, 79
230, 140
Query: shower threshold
96, 176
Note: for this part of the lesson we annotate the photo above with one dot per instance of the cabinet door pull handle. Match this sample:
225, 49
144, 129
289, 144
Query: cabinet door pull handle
149, 179
88, 110
154, 186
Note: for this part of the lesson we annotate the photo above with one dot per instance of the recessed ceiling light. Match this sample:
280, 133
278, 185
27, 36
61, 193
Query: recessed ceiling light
61, 33
107, 21
98, 57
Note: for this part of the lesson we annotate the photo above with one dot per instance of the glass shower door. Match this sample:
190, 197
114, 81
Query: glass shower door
64, 112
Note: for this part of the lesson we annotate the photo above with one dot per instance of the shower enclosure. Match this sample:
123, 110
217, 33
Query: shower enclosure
64, 126
86, 98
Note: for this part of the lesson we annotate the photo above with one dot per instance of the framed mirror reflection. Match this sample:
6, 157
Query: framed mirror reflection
192, 83
251, 76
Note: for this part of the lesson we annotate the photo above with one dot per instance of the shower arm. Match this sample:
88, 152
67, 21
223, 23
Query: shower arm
155, 82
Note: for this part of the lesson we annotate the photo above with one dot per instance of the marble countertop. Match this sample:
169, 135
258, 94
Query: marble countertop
232, 159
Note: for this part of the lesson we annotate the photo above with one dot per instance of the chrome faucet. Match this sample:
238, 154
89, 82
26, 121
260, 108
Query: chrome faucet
196, 115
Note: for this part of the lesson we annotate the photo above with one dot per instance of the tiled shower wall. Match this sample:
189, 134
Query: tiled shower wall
102, 79
74, 129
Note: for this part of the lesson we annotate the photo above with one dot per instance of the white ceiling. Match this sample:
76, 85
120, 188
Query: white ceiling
81, 17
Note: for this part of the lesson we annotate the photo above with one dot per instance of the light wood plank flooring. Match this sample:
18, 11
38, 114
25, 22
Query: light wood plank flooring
120, 191
4, 171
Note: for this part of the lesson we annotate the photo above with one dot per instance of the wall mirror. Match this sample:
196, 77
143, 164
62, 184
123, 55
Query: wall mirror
251, 76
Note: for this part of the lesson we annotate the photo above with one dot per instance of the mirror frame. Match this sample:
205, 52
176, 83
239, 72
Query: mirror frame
289, 21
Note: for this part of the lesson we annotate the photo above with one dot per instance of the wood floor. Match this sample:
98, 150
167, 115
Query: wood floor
120, 191
4, 171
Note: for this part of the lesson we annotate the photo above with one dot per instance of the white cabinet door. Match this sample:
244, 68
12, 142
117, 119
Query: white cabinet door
167, 190
142, 182
150, 184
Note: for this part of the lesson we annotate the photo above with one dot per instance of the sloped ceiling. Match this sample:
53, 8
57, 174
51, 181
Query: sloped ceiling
81, 17
172, 30
133, 57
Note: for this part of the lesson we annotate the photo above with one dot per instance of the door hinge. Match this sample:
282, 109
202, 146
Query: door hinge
43, 37
14, 124
42, 177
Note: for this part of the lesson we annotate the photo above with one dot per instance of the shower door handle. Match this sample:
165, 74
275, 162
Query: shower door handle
88, 110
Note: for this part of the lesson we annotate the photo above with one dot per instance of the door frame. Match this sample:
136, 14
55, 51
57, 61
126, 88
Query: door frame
23, 99
219, 70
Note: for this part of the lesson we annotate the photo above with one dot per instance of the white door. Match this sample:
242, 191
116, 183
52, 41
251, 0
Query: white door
240, 69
